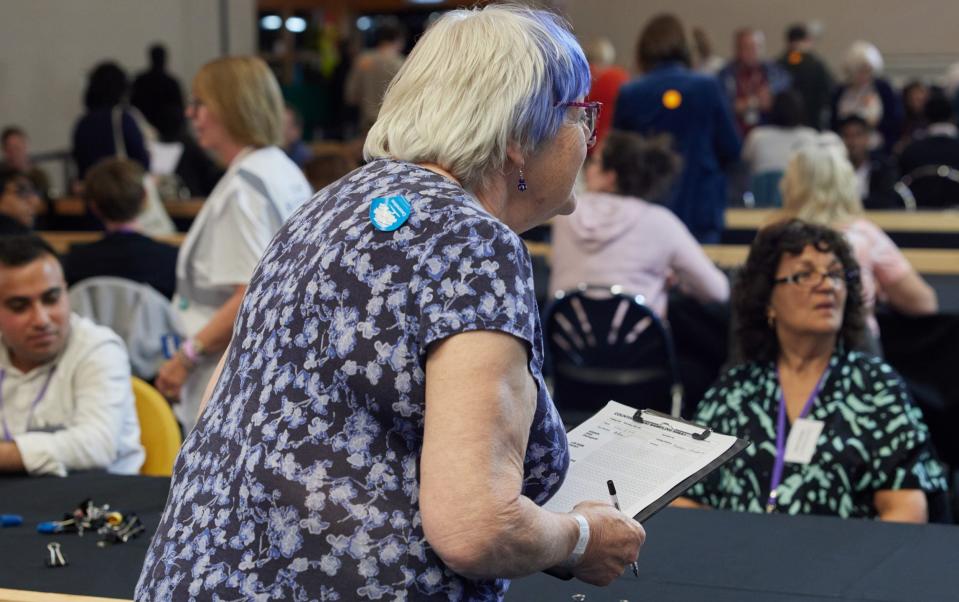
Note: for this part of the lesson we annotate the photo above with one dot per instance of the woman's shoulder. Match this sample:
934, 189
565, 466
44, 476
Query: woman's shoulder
268, 162
741, 380
870, 372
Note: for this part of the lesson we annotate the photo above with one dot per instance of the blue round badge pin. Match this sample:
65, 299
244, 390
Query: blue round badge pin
389, 213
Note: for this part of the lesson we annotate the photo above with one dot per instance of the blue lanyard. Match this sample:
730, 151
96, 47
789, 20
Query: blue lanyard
3, 415
778, 466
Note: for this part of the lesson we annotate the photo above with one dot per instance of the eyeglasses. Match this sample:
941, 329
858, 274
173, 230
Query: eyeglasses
194, 103
808, 280
590, 117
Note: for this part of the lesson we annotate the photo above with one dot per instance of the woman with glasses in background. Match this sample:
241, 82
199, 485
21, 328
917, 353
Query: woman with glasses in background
380, 428
833, 430
237, 114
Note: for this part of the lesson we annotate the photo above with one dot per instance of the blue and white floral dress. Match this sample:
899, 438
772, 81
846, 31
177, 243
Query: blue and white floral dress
301, 478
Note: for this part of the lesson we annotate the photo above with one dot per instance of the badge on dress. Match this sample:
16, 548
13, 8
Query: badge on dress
803, 437
389, 213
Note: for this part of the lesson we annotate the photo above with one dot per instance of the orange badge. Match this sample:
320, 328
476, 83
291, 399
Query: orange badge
795, 58
672, 99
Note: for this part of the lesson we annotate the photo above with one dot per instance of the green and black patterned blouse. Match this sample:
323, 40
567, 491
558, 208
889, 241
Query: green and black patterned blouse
873, 438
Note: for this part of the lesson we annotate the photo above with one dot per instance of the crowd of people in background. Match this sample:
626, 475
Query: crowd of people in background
657, 158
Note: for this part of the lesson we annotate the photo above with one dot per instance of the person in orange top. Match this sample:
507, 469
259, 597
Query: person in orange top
607, 79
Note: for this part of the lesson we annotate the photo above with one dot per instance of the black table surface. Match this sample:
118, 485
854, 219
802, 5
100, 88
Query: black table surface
92, 571
714, 556
690, 555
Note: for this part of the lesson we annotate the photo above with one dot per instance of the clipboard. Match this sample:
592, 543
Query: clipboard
699, 433
650, 468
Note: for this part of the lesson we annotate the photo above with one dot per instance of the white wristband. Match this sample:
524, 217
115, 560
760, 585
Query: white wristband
580, 548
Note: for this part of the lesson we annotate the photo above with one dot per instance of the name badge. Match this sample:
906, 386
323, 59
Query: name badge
389, 213
803, 437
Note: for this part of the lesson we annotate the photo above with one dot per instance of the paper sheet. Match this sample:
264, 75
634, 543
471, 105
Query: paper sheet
643, 460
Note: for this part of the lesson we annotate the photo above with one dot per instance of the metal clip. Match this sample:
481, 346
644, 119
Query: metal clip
56, 558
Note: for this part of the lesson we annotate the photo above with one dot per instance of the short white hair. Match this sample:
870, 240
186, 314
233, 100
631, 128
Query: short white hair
477, 81
600, 51
819, 185
863, 54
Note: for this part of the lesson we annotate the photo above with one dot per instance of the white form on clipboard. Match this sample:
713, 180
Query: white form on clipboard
652, 457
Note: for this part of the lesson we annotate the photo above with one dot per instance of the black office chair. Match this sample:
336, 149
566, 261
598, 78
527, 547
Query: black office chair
923, 350
929, 187
604, 344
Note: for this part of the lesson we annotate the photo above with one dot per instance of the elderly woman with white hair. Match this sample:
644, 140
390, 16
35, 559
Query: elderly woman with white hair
866, 94
379, 427
819, 187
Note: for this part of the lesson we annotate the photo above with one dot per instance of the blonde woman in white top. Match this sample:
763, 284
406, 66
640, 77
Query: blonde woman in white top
237, 113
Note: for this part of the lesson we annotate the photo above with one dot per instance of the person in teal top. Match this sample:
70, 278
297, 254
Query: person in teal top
833, 430
670, 98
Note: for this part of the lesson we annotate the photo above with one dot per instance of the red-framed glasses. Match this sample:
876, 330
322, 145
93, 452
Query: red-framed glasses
590, 117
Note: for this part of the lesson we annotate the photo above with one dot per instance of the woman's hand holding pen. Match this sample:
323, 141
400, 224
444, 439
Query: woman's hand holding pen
614, 542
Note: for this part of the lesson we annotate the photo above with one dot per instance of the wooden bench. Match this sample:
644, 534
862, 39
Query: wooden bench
944, 262
62, 241
75, 206
926, 261
940, 222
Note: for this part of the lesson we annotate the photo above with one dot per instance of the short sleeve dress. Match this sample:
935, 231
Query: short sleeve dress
301, 478
873, 439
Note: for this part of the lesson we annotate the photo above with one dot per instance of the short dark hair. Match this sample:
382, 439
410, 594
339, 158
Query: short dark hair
106, 86
115, 187
938, 109
797, 33
11, 130
662, 41
852, 120
20, 249
788, 109
754, 286
644, 167
157, 55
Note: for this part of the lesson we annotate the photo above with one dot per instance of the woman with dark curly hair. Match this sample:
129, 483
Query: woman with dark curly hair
834, 430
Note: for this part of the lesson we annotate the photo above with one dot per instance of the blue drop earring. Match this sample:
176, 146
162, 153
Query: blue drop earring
521, 184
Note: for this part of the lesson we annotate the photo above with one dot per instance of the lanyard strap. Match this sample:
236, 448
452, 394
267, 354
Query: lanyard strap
3, 415
780, 462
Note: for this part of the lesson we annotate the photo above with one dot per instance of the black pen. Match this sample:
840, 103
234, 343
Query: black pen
612, 496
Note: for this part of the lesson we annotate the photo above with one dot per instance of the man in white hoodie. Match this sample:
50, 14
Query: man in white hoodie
65, 397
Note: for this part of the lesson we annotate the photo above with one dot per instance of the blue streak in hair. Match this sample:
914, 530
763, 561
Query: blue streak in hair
567, 78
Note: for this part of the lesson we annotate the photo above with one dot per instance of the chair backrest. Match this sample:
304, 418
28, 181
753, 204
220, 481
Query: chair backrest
140, 315
930, 187
604, 344
159, 432
765, 189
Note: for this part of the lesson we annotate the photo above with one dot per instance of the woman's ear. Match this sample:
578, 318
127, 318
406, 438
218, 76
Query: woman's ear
516, 155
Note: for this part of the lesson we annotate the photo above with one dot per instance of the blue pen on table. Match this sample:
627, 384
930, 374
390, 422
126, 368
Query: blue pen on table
10, 520
615, 500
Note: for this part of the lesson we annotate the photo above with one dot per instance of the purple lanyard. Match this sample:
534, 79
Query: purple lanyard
781, 436
3, 415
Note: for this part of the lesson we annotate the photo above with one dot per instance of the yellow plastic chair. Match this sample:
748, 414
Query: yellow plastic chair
159, 431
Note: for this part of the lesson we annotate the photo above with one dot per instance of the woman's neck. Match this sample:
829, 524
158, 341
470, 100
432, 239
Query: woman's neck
805, 354
131, 226
229, 151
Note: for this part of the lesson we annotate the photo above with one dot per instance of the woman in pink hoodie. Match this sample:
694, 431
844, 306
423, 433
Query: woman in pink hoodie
615, 237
